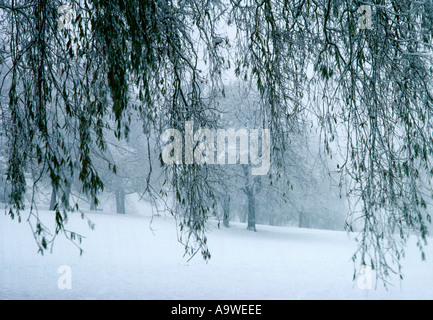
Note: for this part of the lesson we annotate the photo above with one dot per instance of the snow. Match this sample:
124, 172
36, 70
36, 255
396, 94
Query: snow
125, 259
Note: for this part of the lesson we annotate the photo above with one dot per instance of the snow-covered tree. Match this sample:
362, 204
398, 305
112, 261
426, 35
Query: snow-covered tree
370, 86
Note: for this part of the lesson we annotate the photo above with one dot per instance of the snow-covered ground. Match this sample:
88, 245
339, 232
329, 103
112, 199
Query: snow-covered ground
124, 259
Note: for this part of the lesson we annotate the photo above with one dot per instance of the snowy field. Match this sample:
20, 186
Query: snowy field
124, 259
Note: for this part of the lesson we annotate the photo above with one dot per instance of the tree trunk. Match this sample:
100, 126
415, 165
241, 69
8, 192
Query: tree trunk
120, 202
250, 192
53, 198
303, 220
67, 196
226, 209
251, 212
93, 206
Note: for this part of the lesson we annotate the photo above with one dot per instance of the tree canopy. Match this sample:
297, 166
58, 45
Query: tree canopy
64, 86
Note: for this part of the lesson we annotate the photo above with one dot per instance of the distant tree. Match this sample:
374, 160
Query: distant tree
134, 160
226, 211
